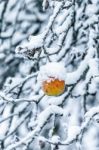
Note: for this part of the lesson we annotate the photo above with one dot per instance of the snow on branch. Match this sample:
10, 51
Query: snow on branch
73, 77
41, 121
73, 136
21, 82
20, 100
36, 43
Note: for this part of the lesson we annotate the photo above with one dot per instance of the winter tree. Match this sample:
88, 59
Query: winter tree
18, 19
55, 106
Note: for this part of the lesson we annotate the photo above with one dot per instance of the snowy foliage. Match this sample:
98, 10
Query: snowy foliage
31, 120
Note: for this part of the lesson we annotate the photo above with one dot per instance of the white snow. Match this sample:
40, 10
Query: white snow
33, 43
52, 70
73, 131
94, 66
55, 139
44, 4
93, 111
91, 9
44, 116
